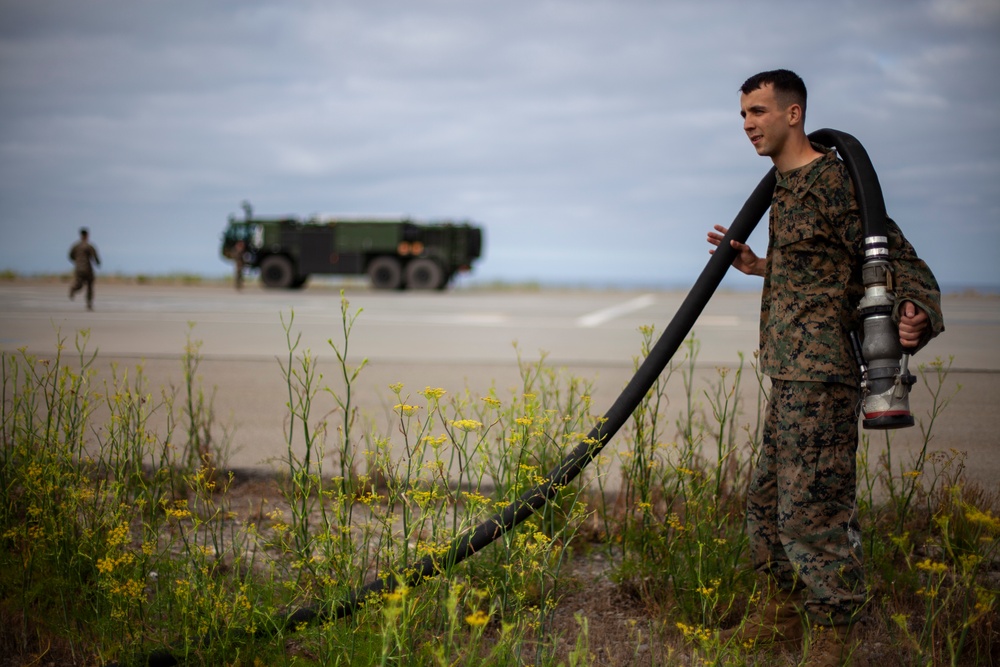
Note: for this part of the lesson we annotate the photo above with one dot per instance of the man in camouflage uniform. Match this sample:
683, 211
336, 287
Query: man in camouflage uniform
83, 255
801, 515
238, 251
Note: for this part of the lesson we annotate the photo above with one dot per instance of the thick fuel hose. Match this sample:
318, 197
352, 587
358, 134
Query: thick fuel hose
529, 502
533, 499
869, 195
867, 189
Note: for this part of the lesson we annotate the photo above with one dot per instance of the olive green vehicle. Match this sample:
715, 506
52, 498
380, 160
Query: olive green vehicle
393, 253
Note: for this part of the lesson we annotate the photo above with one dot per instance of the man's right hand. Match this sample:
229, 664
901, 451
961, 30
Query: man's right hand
746, 261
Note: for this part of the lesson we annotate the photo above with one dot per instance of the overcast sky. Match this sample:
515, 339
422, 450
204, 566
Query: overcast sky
596, 141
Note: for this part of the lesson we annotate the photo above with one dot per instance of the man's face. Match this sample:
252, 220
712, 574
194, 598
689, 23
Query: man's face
764, 121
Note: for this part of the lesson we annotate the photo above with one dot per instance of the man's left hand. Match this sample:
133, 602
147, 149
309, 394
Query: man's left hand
913, 322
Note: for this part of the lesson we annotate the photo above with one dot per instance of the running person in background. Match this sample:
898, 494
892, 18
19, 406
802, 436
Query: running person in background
84, 256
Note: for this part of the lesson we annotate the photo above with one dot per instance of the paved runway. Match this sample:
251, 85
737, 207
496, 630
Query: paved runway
458, 340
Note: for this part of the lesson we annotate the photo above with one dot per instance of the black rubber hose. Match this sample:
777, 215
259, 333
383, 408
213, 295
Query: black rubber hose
867, 189
571, 466
869, 195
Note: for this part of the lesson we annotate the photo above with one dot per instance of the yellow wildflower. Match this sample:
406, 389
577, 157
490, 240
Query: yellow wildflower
970, 562
433, 394
475, 497
984, 519
932, 567
477, 619
118, 535
693, 632
901, 541
105, 565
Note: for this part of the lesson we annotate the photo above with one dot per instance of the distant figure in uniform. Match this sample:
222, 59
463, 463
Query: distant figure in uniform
238, 251
84, 256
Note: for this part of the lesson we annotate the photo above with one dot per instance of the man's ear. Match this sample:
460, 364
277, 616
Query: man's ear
794, 115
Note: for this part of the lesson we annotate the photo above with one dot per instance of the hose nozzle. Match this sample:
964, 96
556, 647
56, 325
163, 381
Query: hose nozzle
885, 377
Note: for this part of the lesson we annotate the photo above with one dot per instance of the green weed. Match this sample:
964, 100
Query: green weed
121, 542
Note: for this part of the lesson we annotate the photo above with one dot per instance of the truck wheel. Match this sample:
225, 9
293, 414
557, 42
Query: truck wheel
424, 274
385, 273
276, 271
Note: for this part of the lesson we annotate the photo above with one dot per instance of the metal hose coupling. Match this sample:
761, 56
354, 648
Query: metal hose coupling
885, 377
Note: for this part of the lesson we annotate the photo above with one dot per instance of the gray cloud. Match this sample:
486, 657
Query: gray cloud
595, 140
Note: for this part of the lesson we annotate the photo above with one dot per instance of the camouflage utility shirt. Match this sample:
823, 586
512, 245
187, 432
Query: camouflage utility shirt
82, 254
812, 282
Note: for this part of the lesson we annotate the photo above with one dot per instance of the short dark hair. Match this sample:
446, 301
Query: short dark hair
789, 87
83, 231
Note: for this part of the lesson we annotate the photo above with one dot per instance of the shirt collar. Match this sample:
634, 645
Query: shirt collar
801, 179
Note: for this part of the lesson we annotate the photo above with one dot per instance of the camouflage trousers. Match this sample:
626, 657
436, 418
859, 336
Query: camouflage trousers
801, 518
83, 279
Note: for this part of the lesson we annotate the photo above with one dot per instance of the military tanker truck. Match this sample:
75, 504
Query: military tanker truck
395, 253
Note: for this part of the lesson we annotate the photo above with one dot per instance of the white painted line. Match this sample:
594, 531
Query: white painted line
599, 317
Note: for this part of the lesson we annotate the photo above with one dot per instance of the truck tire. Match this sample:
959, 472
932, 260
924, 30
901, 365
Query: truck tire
424, 273
277, 272
385, 273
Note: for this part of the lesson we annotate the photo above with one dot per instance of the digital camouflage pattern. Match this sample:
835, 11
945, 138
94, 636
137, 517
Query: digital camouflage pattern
800, 504
913, 281
812, 282
83, 255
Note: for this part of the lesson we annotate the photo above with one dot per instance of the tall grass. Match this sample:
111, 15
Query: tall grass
121, 543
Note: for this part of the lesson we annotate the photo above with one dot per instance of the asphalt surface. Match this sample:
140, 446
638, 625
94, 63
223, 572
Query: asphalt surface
461, 340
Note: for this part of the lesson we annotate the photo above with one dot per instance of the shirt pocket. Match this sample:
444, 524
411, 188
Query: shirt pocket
803, 260
798, 228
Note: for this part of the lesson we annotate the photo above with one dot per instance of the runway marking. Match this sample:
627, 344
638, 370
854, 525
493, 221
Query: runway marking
599, 317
